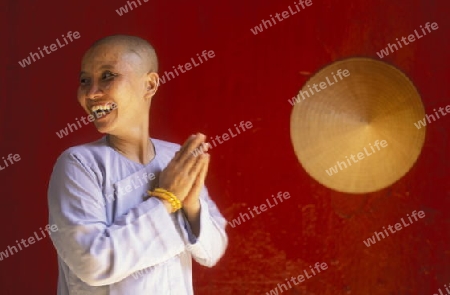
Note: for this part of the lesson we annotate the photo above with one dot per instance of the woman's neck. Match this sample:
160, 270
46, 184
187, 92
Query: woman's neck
139, 149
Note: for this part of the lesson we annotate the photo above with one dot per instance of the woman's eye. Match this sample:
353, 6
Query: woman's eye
83, 81
108, 75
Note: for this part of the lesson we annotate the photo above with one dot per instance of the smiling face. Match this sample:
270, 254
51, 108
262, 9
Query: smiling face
116, 86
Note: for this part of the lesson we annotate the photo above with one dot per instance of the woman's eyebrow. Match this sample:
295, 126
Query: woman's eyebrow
103, 67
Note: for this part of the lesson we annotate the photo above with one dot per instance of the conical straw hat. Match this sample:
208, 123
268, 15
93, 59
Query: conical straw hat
372, 101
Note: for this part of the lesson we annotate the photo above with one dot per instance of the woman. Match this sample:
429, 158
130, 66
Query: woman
116, 200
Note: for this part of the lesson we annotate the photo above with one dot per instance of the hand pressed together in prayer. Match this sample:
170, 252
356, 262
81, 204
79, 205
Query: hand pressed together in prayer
185, 176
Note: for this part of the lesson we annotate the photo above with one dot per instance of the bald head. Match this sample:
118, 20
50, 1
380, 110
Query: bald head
133, 44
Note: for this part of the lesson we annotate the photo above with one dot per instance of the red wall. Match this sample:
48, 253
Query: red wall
250, 78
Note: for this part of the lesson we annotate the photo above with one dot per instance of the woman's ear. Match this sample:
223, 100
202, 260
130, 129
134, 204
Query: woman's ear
152, 83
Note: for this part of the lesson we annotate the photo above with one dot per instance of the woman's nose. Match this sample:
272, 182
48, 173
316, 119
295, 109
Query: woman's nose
94, 91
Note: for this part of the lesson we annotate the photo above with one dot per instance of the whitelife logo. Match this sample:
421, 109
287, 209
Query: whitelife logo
124, 9
360, 155
168, 75
35, 56
281, 197
345, 73
31, 240
300, 279
11, 158
411, 38
398, 227
423, 123
440, 291
285, 14
91, 118
133, 185
225, 137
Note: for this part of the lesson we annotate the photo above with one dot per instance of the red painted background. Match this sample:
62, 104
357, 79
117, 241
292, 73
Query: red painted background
250, 78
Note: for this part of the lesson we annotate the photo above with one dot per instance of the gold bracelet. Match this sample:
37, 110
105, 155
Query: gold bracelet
176, 205
163, 194
166, 192
173, 201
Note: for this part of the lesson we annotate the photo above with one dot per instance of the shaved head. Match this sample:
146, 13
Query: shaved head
133, 44
118, 70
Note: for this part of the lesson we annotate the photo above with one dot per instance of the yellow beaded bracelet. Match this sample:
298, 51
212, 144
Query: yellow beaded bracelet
163, 194
175, 203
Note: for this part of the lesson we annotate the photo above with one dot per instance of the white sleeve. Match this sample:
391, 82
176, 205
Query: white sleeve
212, 241
98, 253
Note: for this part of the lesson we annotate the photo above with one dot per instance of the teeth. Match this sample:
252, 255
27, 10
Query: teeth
108, 107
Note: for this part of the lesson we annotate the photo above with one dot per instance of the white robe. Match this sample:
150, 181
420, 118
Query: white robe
110, 241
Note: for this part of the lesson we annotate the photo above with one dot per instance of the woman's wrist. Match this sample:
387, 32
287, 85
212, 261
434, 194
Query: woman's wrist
169, 200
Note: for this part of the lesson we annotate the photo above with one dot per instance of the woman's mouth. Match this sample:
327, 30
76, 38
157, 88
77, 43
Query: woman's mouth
100, 111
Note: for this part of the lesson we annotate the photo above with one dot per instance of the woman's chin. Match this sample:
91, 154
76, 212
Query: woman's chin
103, 127
105, 124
